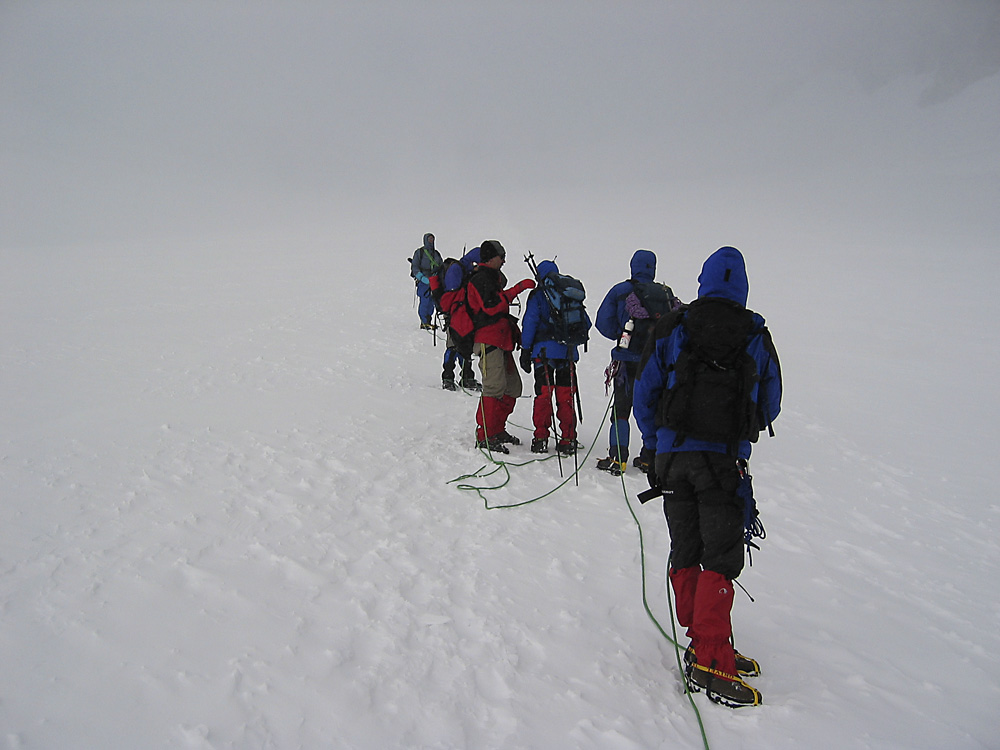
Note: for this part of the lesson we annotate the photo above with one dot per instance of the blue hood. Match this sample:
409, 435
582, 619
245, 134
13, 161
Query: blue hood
429, 241
546, 267
643, 265
724, 275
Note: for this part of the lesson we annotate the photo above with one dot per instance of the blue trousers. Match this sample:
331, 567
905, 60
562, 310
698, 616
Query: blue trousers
426, 307
618, 438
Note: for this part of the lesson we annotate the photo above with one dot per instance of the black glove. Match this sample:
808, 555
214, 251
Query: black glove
655, 488
526, 360
646, 460
653, 479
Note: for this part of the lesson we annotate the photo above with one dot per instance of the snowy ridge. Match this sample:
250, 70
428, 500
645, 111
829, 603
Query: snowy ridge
227, 523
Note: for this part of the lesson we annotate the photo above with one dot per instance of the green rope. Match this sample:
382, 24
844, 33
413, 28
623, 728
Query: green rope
673, 626
503, 466
642, 567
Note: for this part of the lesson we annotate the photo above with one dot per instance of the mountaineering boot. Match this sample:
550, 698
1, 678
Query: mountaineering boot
721, 688
427, 327
711, 659
448, 384
745, 666
540, 445
492, 445
506, 437
471, 384
567, 447
612, 465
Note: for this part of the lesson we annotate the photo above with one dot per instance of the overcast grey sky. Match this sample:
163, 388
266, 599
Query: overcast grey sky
125, 119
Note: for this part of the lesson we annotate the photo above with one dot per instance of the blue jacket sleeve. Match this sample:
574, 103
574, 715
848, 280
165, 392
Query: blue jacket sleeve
609, 321
769, 389
648, 388
529, 323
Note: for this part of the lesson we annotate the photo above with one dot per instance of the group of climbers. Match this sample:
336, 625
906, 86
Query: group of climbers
703, 380
473, 301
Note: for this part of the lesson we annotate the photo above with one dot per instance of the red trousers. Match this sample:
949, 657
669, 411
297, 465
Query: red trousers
541, 416
491, 416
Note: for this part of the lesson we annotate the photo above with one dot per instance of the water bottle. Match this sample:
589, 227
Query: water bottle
626, 335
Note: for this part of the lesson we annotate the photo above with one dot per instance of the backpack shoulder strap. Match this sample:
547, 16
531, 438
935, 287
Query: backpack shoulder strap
430, 259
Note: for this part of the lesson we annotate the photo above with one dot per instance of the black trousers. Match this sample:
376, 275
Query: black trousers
704, 514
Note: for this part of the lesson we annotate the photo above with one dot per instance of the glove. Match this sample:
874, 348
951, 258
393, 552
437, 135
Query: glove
511, 293
525, 285
655, 488
526, 360
654, 480
645, 460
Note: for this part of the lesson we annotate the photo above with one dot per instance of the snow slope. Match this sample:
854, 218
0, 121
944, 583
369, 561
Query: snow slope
227, 522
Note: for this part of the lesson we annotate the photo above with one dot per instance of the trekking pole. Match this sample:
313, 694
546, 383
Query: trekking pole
481, 407
576, 391
530, 260
576, 458
614, 421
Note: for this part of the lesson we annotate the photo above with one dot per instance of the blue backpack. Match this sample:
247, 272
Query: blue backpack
567, 314
451, 275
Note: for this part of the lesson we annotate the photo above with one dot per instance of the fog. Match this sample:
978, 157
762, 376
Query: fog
814, 136
135, 119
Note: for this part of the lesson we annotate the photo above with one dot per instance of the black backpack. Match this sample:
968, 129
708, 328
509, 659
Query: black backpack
567, 321
712, 384
658, 299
